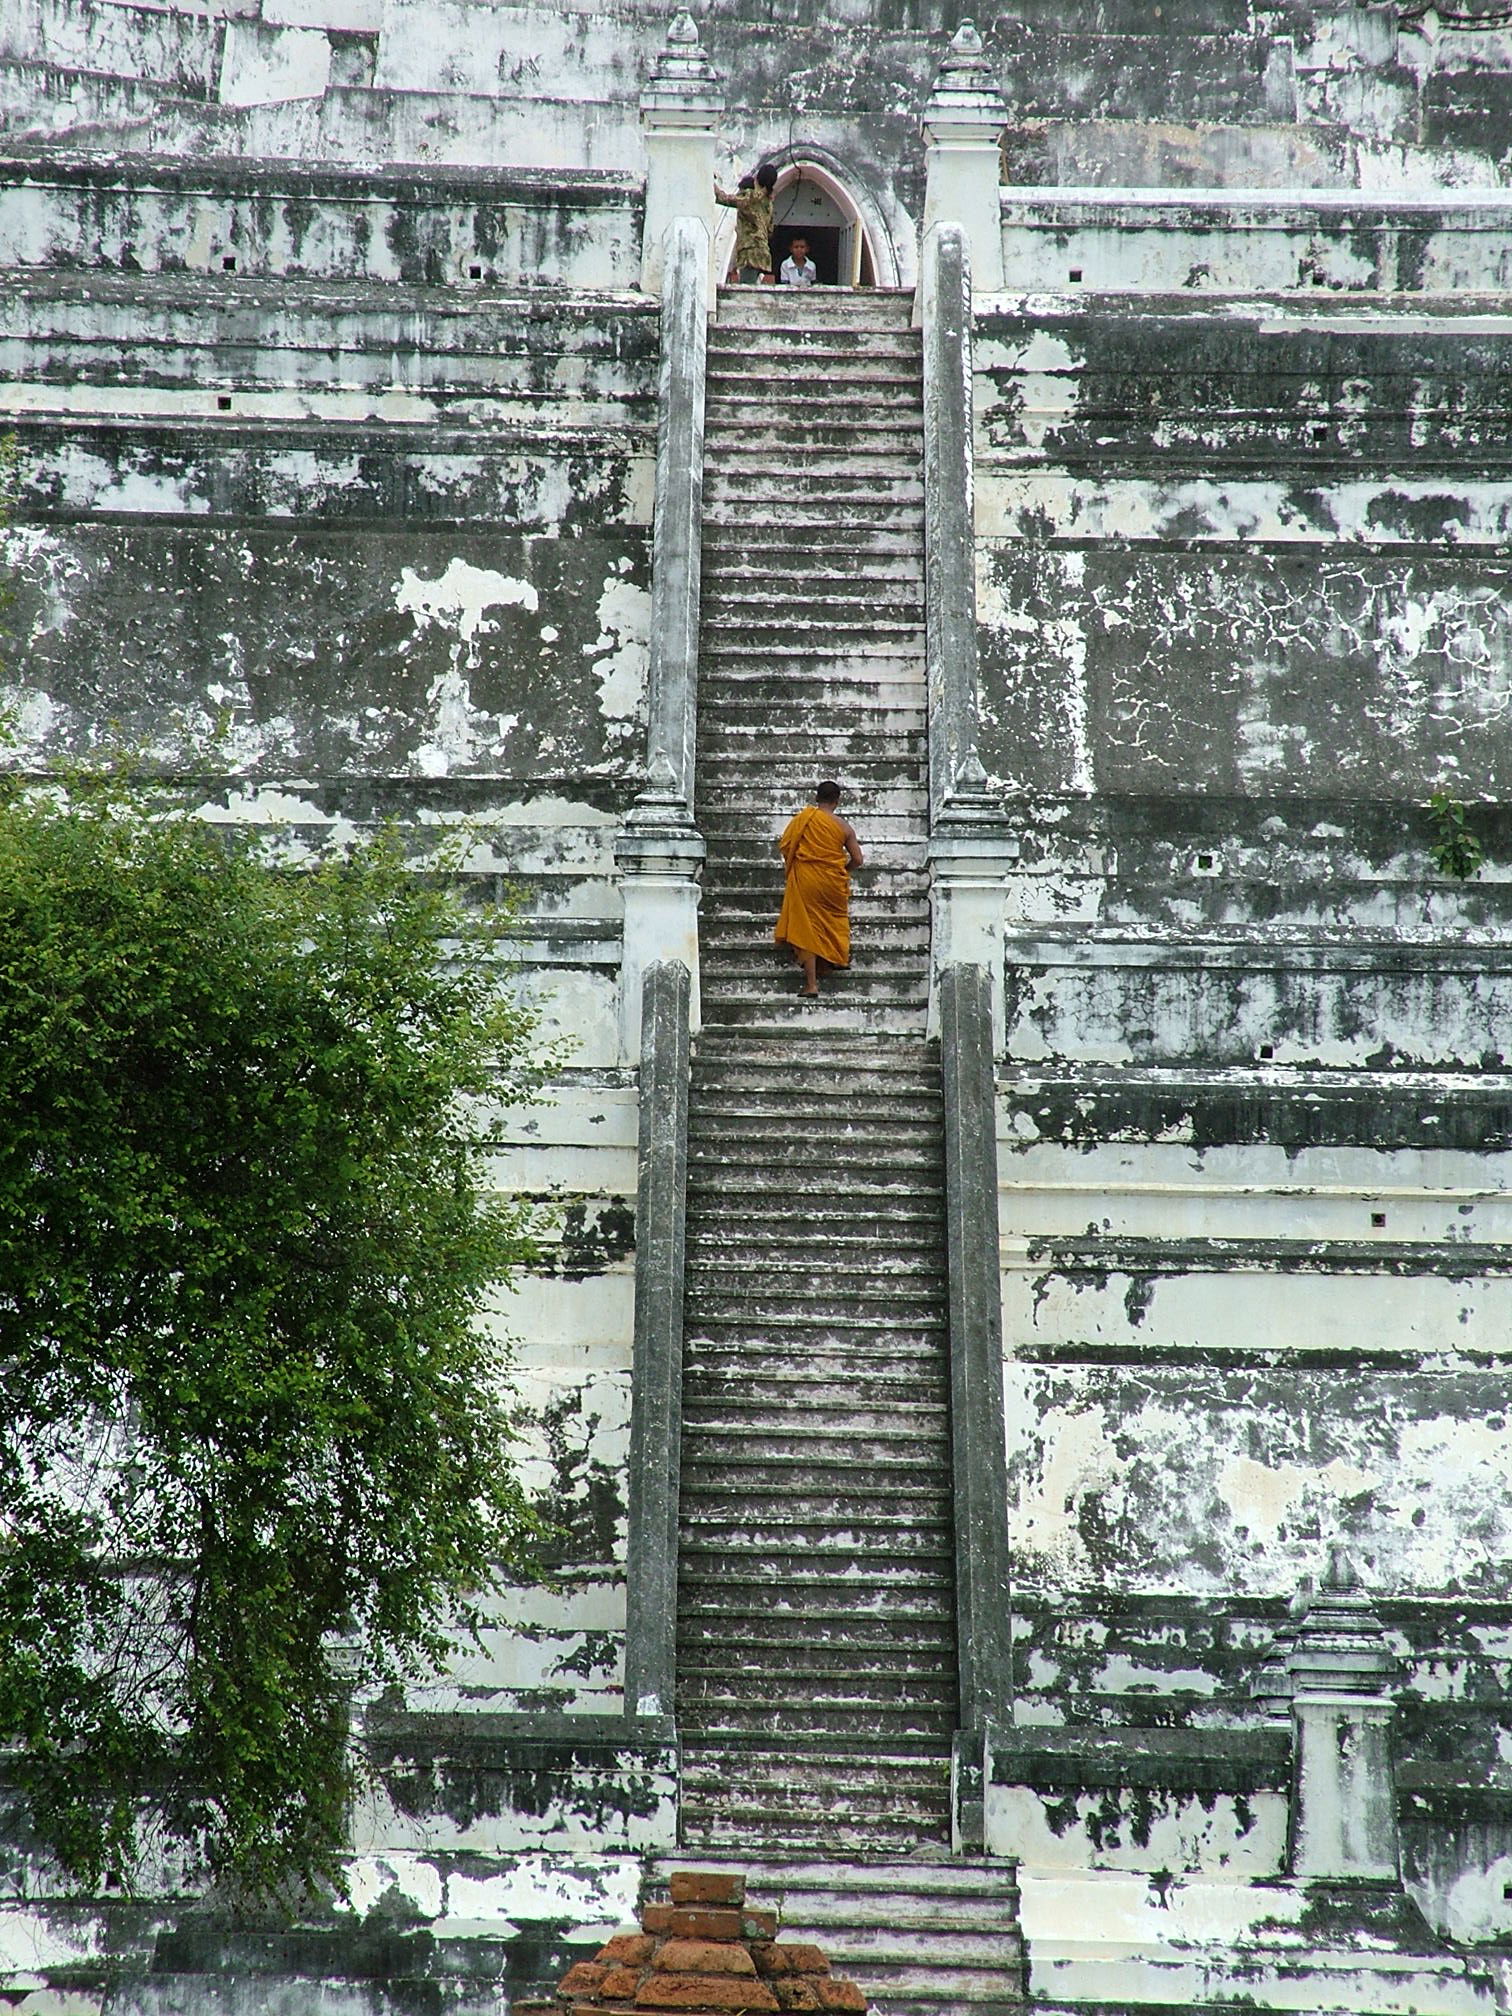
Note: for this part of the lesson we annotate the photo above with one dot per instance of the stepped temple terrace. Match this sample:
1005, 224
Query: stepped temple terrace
1022, 1438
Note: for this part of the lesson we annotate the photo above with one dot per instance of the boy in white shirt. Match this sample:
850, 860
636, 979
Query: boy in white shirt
798, 270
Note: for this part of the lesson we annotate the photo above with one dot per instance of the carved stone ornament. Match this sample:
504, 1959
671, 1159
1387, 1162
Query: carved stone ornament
683, 81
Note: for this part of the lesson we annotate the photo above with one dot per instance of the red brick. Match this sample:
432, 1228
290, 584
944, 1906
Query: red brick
701, 1956
758, 1925
840, 1995
657, 1918
628, 1949
620, 1982
703, 1886
801, 1992
701, 1921
704, 1991
582, 1980
788, 1958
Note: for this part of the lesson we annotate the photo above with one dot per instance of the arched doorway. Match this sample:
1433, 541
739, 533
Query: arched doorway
847, 239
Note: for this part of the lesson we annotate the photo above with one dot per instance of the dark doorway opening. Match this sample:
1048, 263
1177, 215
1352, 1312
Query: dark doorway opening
823, 245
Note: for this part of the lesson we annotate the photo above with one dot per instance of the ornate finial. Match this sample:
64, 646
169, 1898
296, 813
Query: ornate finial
965, 85
970, 776
684, 83
1339, 1645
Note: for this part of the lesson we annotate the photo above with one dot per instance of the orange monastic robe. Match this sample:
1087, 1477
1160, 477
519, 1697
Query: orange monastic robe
815, 904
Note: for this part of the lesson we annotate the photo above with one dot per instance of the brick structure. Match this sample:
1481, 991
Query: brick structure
704, 1954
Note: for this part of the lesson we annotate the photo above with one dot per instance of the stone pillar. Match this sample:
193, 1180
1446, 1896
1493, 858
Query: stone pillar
970, 853
659, 852
680, 110
1343, 1819
963, 130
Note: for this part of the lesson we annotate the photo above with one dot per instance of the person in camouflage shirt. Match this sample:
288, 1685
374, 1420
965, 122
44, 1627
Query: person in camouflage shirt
752, 204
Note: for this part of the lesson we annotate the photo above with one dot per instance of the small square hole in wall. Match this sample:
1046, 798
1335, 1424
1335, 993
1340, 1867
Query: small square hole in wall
1378, 1221
1266, 1052
223, 402
228, 262
1204, 864
1074, 276
475, 272
1319, 430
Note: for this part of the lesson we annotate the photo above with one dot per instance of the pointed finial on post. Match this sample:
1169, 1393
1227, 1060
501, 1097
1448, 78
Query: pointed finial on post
1341, 1669
964, 119
680, 110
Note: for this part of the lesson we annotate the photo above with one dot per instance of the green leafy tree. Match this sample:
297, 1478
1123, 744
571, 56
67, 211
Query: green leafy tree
251, 1431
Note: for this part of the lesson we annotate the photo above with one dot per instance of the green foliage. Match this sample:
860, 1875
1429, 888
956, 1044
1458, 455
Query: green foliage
1455, 850
8, 469
249, 1419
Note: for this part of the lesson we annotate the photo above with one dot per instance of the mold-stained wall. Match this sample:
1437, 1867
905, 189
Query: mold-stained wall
1241, 570
353, 546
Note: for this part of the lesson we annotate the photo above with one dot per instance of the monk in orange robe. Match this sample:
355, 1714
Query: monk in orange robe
818, 849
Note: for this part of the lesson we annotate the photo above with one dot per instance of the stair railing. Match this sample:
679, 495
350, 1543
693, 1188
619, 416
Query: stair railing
970, 851
659, 848
656, 1378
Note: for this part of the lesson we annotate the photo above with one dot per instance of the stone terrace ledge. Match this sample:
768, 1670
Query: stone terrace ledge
1257, 240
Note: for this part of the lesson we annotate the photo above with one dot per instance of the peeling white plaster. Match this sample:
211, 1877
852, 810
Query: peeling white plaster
459, 599
624, 620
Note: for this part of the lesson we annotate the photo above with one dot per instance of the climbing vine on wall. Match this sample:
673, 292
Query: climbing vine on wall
253, 1438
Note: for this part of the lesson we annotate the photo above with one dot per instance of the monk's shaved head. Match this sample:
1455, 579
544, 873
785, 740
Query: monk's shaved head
828, 792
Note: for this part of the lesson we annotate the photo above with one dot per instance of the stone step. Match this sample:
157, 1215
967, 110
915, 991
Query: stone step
838, 567
842, 1599
764, 308
811, 465
901, 1629
815, 380
939, 1888
832, 341
872, 1053
920, 1434
750, 1827
823, 546
888, 1727
731, 735
794, 496
739, 1120
729, 1412
818, 1225
795, 1778
738, 1356
783, 514
759, 1094
913, 1617
770, 626
898, 433
866, 1347
732, 1070
855, 1541
751, 1013
701, 1660
881, 1701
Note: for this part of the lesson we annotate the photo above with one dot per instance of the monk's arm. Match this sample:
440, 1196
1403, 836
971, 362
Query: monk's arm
852, 845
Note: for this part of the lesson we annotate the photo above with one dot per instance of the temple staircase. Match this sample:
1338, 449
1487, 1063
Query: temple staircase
816, 1615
